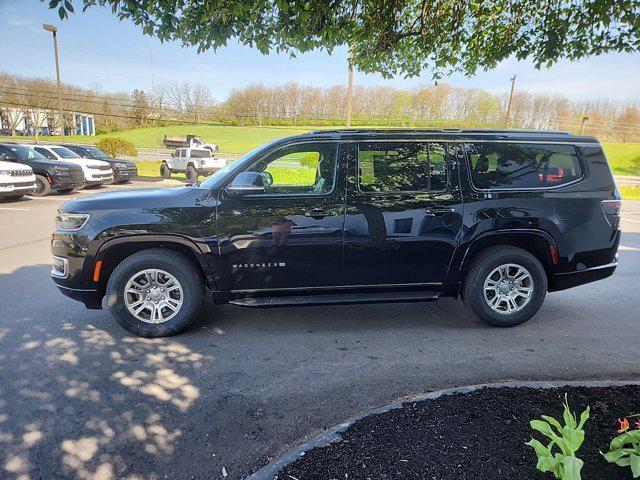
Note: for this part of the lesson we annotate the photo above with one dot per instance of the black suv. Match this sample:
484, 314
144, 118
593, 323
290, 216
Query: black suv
62, 177
496, 218
123, 170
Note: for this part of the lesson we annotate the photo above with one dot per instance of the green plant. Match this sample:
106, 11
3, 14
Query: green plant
624, 450
114, 146
567, 439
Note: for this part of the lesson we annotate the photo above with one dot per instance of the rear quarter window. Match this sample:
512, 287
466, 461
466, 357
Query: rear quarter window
522, 165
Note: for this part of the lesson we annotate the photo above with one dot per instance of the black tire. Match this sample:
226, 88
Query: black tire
66, 191
165, 171
483, 265
191, 174
14, 198
171, 262
43, 187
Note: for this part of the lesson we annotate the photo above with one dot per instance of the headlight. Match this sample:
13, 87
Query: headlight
71, 221
203, 162
61, 170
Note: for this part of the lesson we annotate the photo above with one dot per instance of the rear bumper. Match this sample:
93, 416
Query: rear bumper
562, 281
89, 297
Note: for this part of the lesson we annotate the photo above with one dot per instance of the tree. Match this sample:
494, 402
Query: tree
394, 37
140, 108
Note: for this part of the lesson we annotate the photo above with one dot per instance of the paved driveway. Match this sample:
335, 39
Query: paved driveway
80, 398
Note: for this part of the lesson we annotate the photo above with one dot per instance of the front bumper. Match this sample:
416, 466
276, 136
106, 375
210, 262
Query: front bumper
67, 182
123, 175
90, 297
17, 188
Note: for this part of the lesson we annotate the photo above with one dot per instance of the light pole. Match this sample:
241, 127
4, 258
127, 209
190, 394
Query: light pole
54, 30
584, 120
350, 88
513, 83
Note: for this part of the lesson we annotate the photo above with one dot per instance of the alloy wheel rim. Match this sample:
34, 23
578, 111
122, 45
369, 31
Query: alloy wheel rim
153, 296
508, 288
39, 186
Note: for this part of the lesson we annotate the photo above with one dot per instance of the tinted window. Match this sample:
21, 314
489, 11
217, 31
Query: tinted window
200, 154
45, 152
519, 165
65, 152
402, 167
308, 168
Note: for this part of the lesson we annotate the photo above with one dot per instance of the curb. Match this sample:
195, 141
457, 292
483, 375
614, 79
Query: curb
324, 438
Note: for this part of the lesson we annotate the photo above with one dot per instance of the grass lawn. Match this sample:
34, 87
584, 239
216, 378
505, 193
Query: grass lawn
623, 157
630, 193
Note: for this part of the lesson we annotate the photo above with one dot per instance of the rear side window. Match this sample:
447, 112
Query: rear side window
522, 165
200, 154
402, 166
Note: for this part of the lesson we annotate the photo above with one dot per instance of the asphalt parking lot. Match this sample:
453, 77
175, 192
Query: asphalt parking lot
81, 398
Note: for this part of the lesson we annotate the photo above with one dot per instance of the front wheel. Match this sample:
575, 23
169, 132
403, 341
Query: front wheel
165, 171
505, 286
155, 293
43, 187
191, 174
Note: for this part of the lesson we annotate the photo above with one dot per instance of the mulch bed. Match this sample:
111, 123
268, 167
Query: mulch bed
480, 435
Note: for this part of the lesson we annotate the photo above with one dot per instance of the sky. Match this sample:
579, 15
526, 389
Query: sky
98, 50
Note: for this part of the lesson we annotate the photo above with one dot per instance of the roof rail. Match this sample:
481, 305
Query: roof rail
435, 130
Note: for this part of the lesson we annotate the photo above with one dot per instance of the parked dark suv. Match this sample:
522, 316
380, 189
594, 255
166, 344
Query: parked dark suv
496, 218
123, 170
62, 177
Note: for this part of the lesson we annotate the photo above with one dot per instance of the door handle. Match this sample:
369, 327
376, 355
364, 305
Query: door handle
432, 212
317, 213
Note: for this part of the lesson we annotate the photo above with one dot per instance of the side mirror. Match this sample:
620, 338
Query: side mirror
247, 183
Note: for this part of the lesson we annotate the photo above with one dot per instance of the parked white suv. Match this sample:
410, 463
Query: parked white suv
96, 172
16, 180
193, 162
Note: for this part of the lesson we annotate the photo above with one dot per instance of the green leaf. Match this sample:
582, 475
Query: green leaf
614, 456
543, 427
68, 6
572, 467
635, 465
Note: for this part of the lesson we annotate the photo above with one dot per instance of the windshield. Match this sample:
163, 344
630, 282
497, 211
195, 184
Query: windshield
25, 153
65, 152
213, 180
96, 152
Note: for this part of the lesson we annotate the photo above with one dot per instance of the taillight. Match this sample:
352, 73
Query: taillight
611, 209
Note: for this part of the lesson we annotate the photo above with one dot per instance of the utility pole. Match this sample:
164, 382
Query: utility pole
350, 88
513, 83
584, 120
54, 30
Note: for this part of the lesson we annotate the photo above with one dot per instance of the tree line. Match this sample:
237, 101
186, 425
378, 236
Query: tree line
435, 106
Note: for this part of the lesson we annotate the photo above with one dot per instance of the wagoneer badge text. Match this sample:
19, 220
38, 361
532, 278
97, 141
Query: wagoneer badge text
259, 265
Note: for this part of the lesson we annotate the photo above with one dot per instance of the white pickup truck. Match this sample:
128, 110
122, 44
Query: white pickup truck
16, 180
192, 162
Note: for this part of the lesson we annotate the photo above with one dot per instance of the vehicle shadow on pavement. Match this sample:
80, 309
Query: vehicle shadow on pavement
79, 401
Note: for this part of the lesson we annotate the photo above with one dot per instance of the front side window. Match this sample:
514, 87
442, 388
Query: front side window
522, 165
402, 166
304, 169
46, 153
65, 152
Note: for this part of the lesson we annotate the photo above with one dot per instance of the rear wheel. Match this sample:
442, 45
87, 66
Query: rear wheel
505, 286
191, 174
155, 293
43, 187
165, 171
